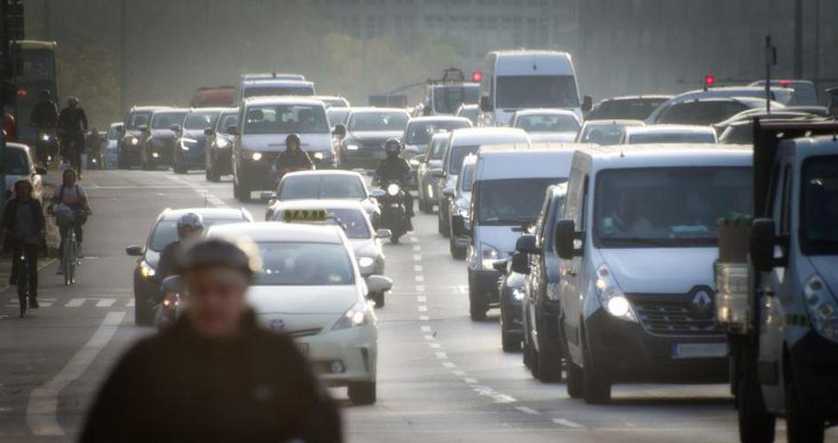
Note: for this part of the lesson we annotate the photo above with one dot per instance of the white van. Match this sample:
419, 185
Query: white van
523, 79
507, 194
637, 240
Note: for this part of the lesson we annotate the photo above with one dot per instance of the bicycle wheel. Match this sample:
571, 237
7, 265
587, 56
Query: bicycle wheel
67, 260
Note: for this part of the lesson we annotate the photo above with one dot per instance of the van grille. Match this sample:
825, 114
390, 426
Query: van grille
673, 315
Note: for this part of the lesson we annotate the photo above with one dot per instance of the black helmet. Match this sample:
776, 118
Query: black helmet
215, 252
293, 138
392, 147
191, 221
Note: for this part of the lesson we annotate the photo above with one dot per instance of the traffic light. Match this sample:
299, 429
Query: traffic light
476, 76
709, 81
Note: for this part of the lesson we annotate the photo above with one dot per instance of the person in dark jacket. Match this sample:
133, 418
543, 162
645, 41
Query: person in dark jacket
189, 226
44, 116
395, 169
72, 125
23, 226
215, 375
293, 158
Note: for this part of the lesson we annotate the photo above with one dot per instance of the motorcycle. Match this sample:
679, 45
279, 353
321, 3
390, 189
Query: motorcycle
170, 306
393, 211
46, 147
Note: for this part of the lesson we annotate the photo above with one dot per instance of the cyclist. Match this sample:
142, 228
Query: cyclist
71, 195
215, 375
23, 226
72, 124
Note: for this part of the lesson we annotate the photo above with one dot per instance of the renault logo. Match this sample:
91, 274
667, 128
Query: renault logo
702, 303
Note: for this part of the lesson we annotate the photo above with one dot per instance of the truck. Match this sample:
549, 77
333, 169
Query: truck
776, 281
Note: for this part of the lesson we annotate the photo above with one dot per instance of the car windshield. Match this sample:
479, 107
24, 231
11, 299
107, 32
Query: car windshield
286, 119
420, 132
637, 109
166, 120
304, 264
17, 162
511, 202
608, 134
322, 187
166, 231
458, 154
378, 121
447, 99
701, 113
200, 120
536, 91
671, 137
547, 123
137, 119
668, 207
819, 208
226, 121
265, 91
337, 116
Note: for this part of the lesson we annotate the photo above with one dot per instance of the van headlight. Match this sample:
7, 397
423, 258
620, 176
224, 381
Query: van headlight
611, 297
359, 314
821, 305
146, 270
366, 262
319, 156
134, 141
488, 256
222, 143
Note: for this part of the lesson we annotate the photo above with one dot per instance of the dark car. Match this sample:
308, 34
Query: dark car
511, 290
367, 130
136, 124
635, 107
418, 134
162, 233
159, 144
707, 111
192, 143
543, 345
220, 145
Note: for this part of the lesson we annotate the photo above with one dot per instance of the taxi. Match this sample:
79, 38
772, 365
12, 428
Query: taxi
356, 224
310, 287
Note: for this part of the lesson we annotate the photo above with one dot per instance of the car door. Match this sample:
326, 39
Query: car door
572, 289
537, 276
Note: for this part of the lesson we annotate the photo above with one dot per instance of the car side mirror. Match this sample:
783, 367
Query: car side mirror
383, 233
486, 104
438, 173
208, 132
134, 250
501, 266
172, 284
565, 236
377, 284
40, 170
587, 103
527, 244
520, 264
762, 243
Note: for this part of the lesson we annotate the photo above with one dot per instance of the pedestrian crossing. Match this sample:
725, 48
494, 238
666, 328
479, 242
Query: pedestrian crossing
78, 302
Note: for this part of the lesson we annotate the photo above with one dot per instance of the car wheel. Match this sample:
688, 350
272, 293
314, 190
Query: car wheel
804, 424
756, 425
596, 385
242, 193
444, 227
362, 393
143, 312
477, 307
510, 341
458, 252
575, 388
549, 362
378, 298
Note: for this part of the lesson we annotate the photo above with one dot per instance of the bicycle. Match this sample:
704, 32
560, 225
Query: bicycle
66, 221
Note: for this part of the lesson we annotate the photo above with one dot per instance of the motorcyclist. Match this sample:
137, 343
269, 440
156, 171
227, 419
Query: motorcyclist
189, 226
293, 158
396, 169
72, 125
215, 375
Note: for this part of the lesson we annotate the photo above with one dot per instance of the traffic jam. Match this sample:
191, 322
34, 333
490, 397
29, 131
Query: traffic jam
607, 247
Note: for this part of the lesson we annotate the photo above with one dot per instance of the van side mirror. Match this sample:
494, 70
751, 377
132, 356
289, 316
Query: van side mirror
377, 284
486, 104
526, 244
762, 243
134, 251
520, 264
587, 103
565, 236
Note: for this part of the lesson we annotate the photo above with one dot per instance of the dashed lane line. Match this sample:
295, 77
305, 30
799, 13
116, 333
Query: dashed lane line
567, 423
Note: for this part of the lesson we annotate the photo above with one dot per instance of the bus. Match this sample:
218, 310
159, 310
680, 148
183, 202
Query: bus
35, 71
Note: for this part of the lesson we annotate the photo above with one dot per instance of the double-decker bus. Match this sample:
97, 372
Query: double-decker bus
34, 71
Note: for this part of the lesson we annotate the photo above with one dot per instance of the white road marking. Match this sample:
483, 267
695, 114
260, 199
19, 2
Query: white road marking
417, 268
419, 278
417, 257
449, 365
567, 423
420, 288
417, 248
43, 401
424, 318
527, 410
441, 355
435, 345
105, 302
459, 373
425, 328
75, 302
429, 337
422, 308
130, 304
471, 381
421, 298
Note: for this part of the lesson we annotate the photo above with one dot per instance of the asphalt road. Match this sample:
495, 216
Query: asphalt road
442, 378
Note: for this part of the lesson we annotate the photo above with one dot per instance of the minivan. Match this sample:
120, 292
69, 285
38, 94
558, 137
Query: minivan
637, 240
507, 193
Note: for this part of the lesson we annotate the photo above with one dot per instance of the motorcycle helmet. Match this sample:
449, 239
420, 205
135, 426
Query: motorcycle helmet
392, 147
189, 222
293, 138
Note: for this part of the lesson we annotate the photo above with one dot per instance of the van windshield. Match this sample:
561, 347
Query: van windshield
286, 119
458, 154
819, 208
668, 207
510, 202
536, 91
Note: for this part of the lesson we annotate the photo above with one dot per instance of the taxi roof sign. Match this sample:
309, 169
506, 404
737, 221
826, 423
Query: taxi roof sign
304, 215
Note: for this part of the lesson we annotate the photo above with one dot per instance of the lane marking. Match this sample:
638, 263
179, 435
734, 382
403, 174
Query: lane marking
422, 308
527, 410
449, 365
424, 318
105, 302
425, 328
417, 268
434, 345
441, 355
567, 423
459, 373
417, 257
429, 337
471, 381
421, 299
420, 278
42, 406
75, 302
417, 248
420, 288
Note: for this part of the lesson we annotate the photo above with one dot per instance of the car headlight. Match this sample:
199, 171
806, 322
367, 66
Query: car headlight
518, 294
134, 141
611, 297
822, 307
146, 270
489, 255
414, 163
352, 147
393, 189
319, 156
222, 143
359, 314
366, 262
45, 137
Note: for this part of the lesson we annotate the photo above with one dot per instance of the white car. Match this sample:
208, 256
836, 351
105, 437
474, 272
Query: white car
548, 125
331, 184
310, 287
19, 166
676, 134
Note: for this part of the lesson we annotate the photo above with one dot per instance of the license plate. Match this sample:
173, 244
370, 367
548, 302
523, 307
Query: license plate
303, 347
699, 350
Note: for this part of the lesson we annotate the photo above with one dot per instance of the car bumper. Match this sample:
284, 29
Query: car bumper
220, 160
486, 284
362, 158
513, 315
255, 175
814, 362
343, 356
633, 355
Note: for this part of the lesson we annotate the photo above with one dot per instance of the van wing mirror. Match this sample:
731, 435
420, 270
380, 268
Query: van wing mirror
134, 251
520, 264
527, 244
486, 104
762, 243
565, 236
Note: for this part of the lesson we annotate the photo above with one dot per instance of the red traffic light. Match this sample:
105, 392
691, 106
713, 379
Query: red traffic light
709, 80
22, 92
476, 76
